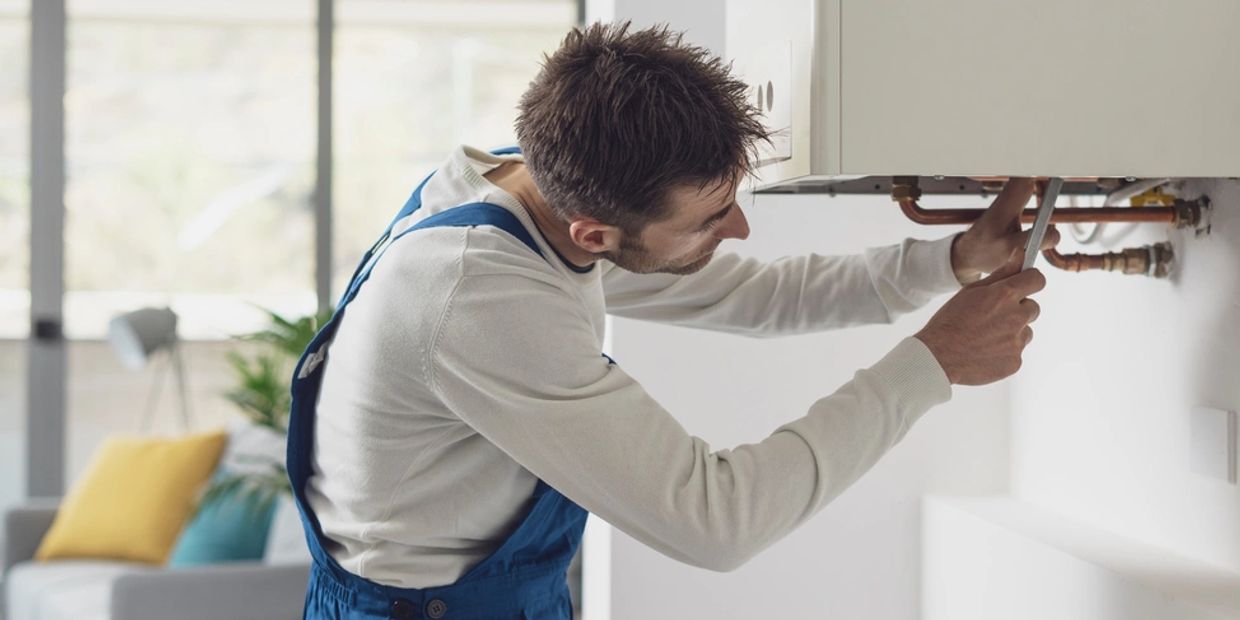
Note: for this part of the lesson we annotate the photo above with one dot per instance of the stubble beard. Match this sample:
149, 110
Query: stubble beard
632, 256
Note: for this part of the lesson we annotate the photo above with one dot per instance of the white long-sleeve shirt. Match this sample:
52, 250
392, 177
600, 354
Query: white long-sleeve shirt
468, 367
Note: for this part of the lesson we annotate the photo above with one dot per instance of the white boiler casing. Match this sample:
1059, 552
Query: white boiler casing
1072, 88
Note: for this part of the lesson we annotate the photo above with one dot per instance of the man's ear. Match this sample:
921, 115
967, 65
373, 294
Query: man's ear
594, 236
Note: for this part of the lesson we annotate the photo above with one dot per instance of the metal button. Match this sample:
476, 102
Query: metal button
436, 609
402, 609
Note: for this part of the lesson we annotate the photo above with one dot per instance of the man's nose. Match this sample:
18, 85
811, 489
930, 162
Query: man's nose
735, 225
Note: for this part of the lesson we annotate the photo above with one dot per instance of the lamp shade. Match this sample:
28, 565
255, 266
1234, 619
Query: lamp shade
135, 335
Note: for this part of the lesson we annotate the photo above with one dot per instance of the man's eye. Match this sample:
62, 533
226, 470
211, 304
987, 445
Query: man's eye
711, 225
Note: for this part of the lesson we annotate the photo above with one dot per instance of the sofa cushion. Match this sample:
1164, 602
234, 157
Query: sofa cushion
64, 589
134, 499
232, 526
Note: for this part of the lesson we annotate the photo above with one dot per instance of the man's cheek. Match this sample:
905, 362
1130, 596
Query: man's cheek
687, 249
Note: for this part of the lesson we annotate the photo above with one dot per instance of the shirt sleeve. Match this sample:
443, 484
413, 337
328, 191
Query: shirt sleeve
531, 380
792, 295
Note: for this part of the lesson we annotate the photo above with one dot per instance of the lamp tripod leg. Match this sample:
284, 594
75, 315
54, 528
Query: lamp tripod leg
152, 398
178, 364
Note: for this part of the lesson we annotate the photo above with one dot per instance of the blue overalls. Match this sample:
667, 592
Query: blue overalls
525, 578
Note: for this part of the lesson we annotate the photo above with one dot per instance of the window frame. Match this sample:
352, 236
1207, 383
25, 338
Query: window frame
46, 343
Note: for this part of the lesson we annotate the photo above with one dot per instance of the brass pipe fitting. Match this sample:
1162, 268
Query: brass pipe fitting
1188, 212
1153, 260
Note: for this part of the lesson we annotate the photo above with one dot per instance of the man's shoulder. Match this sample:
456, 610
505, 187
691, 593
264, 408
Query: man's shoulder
440, 257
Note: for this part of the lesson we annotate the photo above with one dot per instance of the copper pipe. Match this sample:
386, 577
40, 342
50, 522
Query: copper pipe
1155, 215
1150, 260
1074, 262
1154, 260
1182, 215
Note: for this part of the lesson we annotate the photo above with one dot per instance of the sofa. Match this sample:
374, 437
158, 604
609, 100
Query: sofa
270, 589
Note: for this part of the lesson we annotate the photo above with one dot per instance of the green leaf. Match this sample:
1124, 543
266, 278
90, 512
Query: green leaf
261, 393
291, 335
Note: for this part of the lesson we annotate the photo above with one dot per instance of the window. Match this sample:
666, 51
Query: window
190, 135
14, 244
412, 81
190, 141
190, 145
14, 169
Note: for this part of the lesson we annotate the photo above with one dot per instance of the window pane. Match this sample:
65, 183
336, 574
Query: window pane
190, 142
14, 169
415, 79
14, 244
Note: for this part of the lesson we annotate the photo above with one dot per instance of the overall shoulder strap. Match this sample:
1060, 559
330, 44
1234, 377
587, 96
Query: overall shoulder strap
480, 214
467, 215
477, 214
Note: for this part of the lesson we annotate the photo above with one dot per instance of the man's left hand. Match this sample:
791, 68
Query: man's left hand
996, 234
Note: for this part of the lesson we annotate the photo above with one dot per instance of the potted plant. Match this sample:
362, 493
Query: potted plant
262, 395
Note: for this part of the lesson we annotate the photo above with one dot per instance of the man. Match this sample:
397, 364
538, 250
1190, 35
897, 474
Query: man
446, 450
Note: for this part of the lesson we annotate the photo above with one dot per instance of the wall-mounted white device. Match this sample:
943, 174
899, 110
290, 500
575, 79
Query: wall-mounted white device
955, 96
1069, 88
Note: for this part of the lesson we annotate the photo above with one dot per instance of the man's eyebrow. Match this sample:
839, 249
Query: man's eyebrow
720, 214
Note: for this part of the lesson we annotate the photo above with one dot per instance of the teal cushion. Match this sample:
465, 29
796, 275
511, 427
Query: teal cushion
230, 528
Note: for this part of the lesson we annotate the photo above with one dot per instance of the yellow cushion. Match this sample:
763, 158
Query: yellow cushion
134, 499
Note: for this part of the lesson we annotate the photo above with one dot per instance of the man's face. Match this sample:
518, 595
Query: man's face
685, 242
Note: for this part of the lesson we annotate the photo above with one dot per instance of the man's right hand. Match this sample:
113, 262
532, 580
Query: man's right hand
979, 334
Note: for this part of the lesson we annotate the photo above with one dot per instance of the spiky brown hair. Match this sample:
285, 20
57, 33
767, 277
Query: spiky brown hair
617, 118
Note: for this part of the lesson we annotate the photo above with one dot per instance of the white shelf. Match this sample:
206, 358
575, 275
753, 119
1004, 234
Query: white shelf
998, 557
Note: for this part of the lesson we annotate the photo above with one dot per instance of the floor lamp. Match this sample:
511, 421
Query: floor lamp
136, 337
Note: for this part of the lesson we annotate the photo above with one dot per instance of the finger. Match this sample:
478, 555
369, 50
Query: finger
1006, 208
1026, 335
1051, 239
1026, 282
1014, 262
1031, 308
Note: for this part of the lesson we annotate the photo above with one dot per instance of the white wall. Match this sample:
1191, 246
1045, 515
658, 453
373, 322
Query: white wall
1101, 410
859, 558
